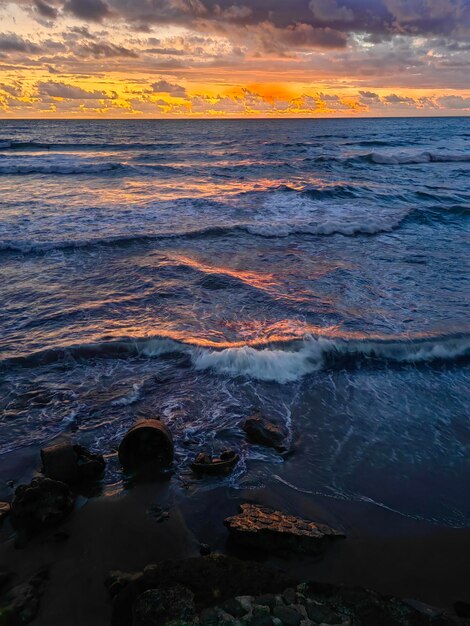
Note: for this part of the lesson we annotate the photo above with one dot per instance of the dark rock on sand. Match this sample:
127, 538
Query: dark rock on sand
42, 503
156, 607
20, 604
148, 444
206, 464
4, 510
270, 530
287, 615
462, 609
71, 464
260, 431
212, 579
204, 549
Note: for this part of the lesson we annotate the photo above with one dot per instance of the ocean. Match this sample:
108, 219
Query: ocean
315, 270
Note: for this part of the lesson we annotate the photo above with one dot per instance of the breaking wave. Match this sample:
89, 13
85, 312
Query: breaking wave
281, 361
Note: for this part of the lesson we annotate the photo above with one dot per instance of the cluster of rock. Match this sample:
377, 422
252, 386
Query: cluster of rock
45, 502
222, 591
266, 529
148, 446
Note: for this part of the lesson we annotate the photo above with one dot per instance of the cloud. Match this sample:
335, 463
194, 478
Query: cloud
89, 10
11, 42
329, 11
369, 95
54, 89
108, 51
454, 102
46, 10
394, 99
163, 86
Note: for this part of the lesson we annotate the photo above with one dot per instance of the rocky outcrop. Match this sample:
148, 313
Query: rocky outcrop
157, 607
266, 529
211, 579
20, 604
71, 464
263, 432
42, 503
214, 590
147, 445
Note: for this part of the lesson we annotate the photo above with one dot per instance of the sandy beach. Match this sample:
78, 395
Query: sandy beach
383, 551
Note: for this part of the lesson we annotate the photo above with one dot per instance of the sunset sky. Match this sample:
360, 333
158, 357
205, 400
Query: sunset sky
255, 58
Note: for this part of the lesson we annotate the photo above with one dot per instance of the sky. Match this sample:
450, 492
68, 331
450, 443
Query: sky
229, 58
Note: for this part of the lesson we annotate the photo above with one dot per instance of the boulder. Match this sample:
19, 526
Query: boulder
147, 444
71, 464
20, 604
4, 510
42, 503
266, 529
156, 607
206, 464
264, 433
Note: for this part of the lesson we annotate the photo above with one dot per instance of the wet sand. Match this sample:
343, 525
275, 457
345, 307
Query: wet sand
384, 551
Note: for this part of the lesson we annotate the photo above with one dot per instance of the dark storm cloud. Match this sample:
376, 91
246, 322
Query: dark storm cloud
89, 10
378, 19
46, 10
11, 42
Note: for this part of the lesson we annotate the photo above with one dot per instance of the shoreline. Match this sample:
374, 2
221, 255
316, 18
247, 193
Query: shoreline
383, 551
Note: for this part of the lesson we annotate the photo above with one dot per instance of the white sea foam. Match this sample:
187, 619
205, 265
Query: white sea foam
290, 364
284, 214
423, 157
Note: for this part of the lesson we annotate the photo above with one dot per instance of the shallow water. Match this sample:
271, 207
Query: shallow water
315, 269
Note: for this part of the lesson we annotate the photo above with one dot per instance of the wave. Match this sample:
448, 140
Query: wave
280, 361
379, 158
64, 169
6, 144
423, 157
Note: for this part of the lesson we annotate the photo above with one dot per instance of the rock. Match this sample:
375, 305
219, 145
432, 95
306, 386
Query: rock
157, 607
259, 430
462, 609
71, 464
234, 608
204, 549
267, 599
21, 603
147, 444
287, 615
289, 596
205, 464
4, 510
42, 503
321, 614
262, 620
209, 617
212, 579
266, 529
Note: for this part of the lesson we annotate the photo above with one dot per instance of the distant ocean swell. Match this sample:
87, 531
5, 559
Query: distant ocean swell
281, 361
